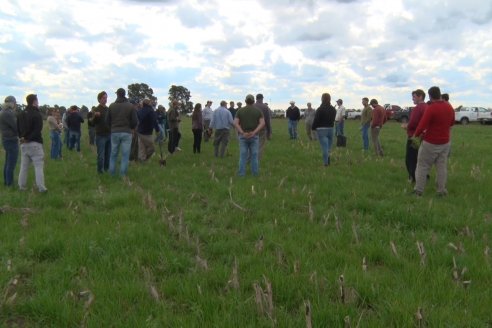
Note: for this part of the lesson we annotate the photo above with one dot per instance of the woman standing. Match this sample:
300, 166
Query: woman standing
55, 134
323, 123
197, 127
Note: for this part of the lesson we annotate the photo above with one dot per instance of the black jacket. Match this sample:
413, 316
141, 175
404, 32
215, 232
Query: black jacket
30, 124
324, 117
293, 113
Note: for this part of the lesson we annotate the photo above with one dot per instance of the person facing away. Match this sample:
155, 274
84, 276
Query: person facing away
207, 117
365, 122
74, 121
248, 122
293, 115
197, 128
309, 118
10, 139
90, 126
147, 123
30, 126
221, 122
103, 132
122, 120
411, 155
340, 118
265, 133
232, 109
161, 118
174, 120
378, 118
55, 134
324, 120
434, 128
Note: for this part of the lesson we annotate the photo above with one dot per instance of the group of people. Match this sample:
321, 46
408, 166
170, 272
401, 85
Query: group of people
117, 127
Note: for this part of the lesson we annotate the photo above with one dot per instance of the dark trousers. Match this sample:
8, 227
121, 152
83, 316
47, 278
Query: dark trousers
411, 160
103, 144
173, 142
11, 154
197, 140
92, 135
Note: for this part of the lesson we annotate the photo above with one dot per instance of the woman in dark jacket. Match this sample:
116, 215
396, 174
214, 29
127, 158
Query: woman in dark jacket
197, 127
323, 123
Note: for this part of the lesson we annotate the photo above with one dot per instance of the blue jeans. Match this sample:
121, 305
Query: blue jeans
248, 146
119, 140
11, 147
103, 145
325, 137
293, 129
365, 136
56, 145
74, 137
339, 128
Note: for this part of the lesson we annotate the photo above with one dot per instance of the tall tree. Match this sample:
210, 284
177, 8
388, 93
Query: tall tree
183, 95
141, 91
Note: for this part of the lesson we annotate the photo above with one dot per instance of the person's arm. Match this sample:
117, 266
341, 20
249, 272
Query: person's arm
238, 126
424, 122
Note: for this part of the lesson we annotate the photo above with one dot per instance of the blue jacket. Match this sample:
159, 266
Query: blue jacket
147, 120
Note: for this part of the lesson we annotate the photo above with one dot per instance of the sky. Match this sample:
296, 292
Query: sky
68, 51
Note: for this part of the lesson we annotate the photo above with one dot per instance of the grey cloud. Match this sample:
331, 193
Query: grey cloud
192, 18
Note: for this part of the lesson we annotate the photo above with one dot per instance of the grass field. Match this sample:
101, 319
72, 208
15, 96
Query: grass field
193, 245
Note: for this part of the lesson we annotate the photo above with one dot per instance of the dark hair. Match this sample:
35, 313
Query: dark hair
325, 98
259, 96
366, 99
419, 93
31, 98
101, 94
373, 102
445, 96
434, 93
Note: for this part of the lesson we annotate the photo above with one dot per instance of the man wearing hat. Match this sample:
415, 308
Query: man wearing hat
249, 122
10, 139
30, 125
340, 118
293, 114
266, 132
122, 119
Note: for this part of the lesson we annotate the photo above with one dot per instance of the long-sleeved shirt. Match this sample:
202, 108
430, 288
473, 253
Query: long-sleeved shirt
378, 114
30, 125
266, 115
146, 120
366, 116
122, 116
293, 113
101, 120
221, 119
415, 117
207, 113
324, 117
53, 123
74, 120
436, 122
8, 124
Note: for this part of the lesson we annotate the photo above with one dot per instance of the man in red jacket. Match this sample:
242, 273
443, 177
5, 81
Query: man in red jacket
435, 127
378, 118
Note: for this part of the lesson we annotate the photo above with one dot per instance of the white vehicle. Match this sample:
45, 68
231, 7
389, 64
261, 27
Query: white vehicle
354, 114
465, 115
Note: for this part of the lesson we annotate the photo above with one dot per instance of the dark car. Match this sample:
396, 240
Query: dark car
390, 110
402, 115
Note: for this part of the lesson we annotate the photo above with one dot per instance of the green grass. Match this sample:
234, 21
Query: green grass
159, 250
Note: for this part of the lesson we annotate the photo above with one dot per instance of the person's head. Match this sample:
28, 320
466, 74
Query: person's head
147, 102
325, 98
32, 100
339, 102
373, 102
418, 96
309, 105
259, 97
102, 97
73, 108
434, 93
209, 103
249, 100
231, 104
223, 103
445, 96
239, 104
10, 102
365, 101
292, 103
198, 107
120, 93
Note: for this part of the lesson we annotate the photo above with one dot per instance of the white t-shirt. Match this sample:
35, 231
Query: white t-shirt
340, 113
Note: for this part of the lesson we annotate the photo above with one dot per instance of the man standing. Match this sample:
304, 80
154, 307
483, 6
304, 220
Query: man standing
103, 133
249, 121
340, 119
122, 119
30, 125
10, 139
309, 118
293, 115
266, 132
147, 123
221, 122
207, 117
174, 119
232, 109
412, 150
73, 121
365, 122
378, 116
435, 127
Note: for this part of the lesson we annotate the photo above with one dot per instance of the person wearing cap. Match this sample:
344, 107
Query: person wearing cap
309, 118
103, 132
293, 115
122, 119
74, 121
266, 132
207, 117
147, 123
10, 139
249, 122
323, 122
378, 118
340, 119
30, 126
221, 121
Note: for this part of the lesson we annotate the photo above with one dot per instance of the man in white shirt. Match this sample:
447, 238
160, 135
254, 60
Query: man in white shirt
340, 118
207, 114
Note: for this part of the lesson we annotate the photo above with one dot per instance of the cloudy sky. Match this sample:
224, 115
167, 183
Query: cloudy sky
68, 51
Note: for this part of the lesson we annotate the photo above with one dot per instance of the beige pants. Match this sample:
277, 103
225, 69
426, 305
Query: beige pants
145, 146
375, 141
429, 155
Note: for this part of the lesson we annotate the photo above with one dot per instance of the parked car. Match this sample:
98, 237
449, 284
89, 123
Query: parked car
278, 113
402, 115
465, 115
353, 114
390, 110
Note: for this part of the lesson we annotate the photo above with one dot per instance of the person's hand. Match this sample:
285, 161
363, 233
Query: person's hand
415, 142
404, 125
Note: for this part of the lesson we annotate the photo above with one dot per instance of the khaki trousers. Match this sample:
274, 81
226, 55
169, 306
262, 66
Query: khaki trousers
429, 155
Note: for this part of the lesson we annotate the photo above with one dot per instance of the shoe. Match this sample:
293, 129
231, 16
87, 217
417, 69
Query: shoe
43, 191
416, 193
178, 149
